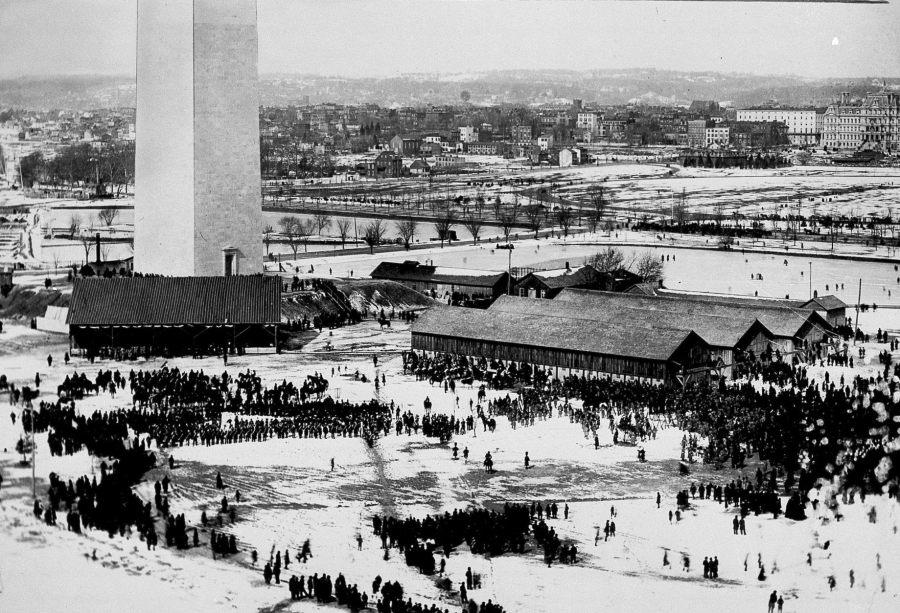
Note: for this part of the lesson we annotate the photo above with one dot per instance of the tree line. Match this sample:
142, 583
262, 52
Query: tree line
108, 169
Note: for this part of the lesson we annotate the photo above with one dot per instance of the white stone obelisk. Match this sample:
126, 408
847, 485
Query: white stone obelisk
198, 208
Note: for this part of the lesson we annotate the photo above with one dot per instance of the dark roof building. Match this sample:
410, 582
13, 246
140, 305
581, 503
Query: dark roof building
548, 283
790, 326
618, 280
622, 334
549, 339
830, 307
452, 284
175, 312
725, 336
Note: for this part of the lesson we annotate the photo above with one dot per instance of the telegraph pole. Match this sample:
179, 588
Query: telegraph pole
856, 323
33, 446
810, 280
509, 247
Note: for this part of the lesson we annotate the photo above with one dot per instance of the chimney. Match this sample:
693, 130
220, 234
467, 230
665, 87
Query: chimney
568, 269
97, 238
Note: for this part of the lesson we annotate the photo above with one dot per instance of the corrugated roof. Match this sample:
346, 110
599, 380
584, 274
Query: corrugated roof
175, 300
729, 299
828, 303
555, 332
716, 330
414, 271
780, 321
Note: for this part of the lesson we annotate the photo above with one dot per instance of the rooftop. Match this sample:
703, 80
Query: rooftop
131, 301
414, 271
553, 331
781, 321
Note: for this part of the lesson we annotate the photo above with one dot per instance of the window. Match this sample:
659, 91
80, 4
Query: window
229, 264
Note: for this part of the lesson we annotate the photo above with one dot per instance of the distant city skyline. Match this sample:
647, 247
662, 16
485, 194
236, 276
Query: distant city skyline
353, 39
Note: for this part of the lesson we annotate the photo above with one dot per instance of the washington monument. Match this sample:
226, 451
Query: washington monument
197, 208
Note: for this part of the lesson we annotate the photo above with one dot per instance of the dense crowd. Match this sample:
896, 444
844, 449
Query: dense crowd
808, 427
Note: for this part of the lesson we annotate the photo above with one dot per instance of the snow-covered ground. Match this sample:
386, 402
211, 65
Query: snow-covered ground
289, 494
730, 272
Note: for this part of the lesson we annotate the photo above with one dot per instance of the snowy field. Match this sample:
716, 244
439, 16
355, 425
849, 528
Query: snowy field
634, 190
685, 269
289, 494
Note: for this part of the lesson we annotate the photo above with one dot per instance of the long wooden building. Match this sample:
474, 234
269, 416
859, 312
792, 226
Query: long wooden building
791, 329
171, 315
567, 344
628, 335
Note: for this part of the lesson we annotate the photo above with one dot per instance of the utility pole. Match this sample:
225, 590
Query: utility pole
856, 323
509, 247
810, 280
33, 446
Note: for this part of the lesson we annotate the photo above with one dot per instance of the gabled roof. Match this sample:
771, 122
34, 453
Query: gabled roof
783, 322
647, 289
151, 301
826, 303
563, 277
734, 299
716, 330
411, 270
552, 331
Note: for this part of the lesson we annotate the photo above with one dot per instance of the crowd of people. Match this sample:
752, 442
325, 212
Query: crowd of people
487, 532
803, 424
807, 426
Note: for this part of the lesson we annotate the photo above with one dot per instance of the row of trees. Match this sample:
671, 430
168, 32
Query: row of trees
82, 165
473, 218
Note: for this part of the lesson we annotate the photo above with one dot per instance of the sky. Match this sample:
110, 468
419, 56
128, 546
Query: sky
384, 38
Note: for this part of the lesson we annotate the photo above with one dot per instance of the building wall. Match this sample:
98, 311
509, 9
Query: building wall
614, 365
843, 127
164, 160
717, 136
801, 123
197, 167
228, 206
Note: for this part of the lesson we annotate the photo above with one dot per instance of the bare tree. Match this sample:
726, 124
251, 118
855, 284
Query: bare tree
267, 237
107, 216
304, 230
508, 219
343, 226
74, 226
473, 218
87, 241
498, 207
608, 260
680, 214
648, 267
290, 230
719, 213
598, 209
446, 220
406, 228
564, 219
323, 221
534, 217
374, 234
